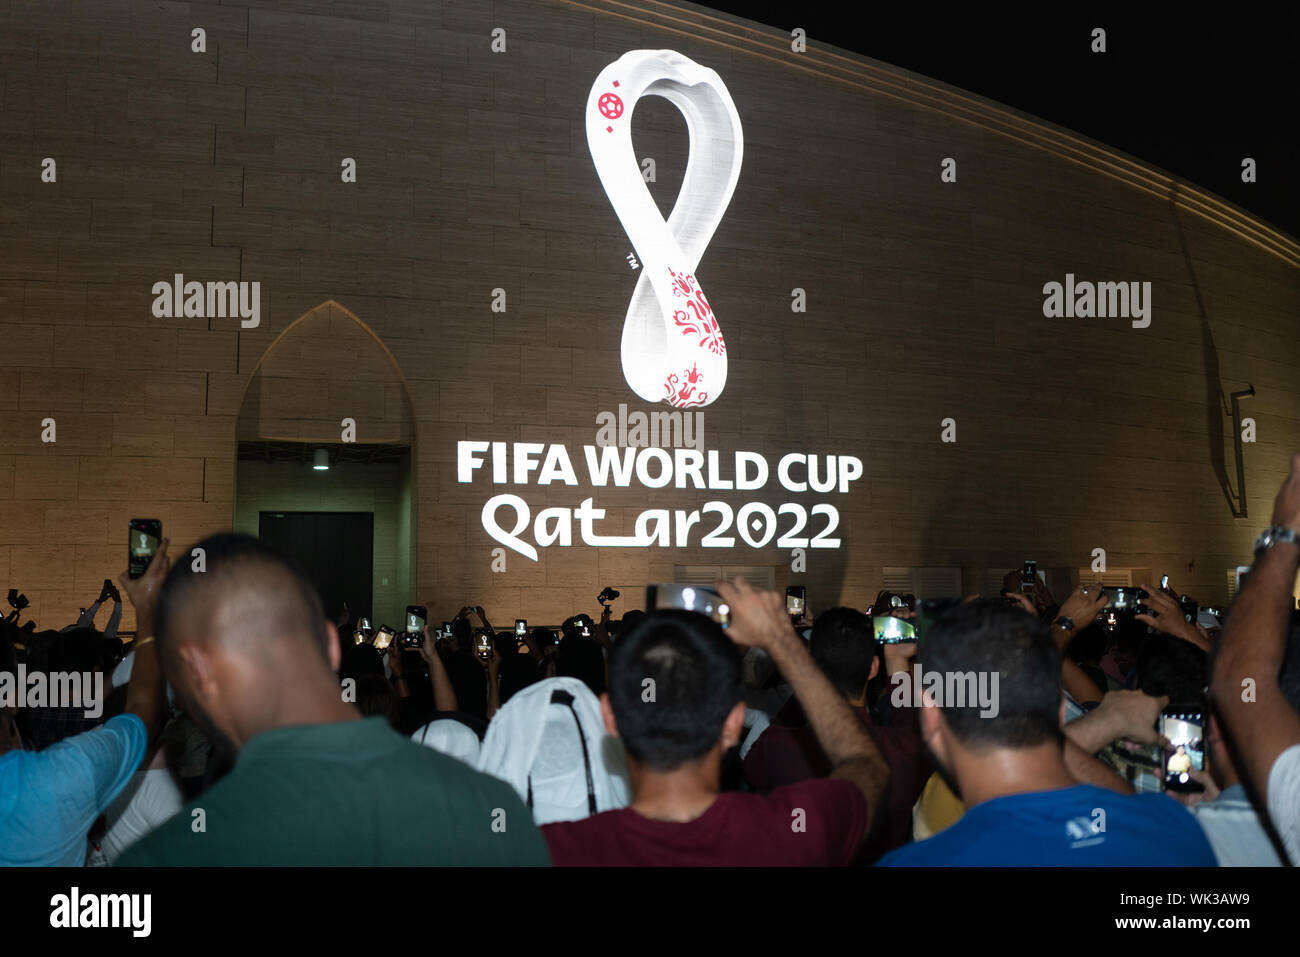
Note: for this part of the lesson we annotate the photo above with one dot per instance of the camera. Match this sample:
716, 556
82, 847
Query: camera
411, 639
607, 595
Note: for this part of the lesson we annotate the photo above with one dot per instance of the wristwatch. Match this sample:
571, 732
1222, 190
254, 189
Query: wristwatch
1273, 535
1063, 622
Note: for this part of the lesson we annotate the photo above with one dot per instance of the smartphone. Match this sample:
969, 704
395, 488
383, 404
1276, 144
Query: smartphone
695, 598
358, 637
384, 638
796, 597
417, 616
144, 535
1124, 599
365, 628
893, 631
411, 639
1164, 582
483, 646
1028, 574
521, 628
1185, 729
446, 630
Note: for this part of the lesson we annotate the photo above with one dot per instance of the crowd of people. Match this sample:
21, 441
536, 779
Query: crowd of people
246, 724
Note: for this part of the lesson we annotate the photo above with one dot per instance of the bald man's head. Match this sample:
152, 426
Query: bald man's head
247, 598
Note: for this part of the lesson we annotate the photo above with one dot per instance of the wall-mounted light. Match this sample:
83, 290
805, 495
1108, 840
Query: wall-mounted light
322, 460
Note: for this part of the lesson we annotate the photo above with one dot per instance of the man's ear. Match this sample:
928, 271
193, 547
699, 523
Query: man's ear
332, 650
875, 667
196, 675
734, 726
607, 712
1060, 717
934, 734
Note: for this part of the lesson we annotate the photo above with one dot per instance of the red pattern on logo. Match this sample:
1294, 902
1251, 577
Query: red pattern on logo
703, 324
610, 105
683, 393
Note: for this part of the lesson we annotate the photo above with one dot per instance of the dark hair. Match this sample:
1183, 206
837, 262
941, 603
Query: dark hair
361, 661
1171, 666
695, 670
844, 646
505, 643
991, 637
375, 696
334, 604
224, 555
629, 621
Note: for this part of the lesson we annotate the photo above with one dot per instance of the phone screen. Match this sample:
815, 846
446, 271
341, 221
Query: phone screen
696, 598
144, 537
384, 638
795, 597
1186, 750
893, 631
483, 645
416, 617
1027, 575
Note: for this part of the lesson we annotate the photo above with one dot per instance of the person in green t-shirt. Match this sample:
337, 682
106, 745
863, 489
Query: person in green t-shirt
252, 658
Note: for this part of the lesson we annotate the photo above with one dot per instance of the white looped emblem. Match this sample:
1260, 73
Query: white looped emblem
672, 349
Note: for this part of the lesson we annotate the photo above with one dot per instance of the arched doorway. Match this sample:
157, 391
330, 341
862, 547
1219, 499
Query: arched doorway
325, 463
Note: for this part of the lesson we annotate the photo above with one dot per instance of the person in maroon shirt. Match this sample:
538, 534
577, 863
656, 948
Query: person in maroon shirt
844, 646
675, 701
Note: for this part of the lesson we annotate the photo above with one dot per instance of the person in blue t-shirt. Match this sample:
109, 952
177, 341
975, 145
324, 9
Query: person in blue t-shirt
991, 679
50, 798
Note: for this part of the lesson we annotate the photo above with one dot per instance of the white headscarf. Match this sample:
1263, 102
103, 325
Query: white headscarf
533, 740
453, 738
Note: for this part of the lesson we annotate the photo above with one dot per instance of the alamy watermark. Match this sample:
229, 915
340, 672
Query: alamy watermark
54, 689
946, 689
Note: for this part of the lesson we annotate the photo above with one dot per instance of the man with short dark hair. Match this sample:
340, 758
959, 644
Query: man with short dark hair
675, 701
844, 646
1003, 754
252, 657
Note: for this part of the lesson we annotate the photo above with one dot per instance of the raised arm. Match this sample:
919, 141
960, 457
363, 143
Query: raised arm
759, 619
444, 695
1245, 688
144, 692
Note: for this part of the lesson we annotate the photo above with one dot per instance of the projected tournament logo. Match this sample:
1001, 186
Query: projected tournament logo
672, 348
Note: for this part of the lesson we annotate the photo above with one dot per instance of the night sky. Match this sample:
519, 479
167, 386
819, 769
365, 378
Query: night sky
1185, 92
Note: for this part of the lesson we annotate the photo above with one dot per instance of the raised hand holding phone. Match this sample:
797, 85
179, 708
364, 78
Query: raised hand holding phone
143, 590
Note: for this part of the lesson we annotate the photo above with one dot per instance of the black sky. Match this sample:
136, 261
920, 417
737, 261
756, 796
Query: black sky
1184, 91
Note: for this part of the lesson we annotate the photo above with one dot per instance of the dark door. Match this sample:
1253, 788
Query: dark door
335, 549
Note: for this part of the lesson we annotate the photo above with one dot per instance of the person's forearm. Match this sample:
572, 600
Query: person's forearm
1092, 731
444, 695
1254, 637
1262, 723
144, 692
1076, 681
1086, 769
